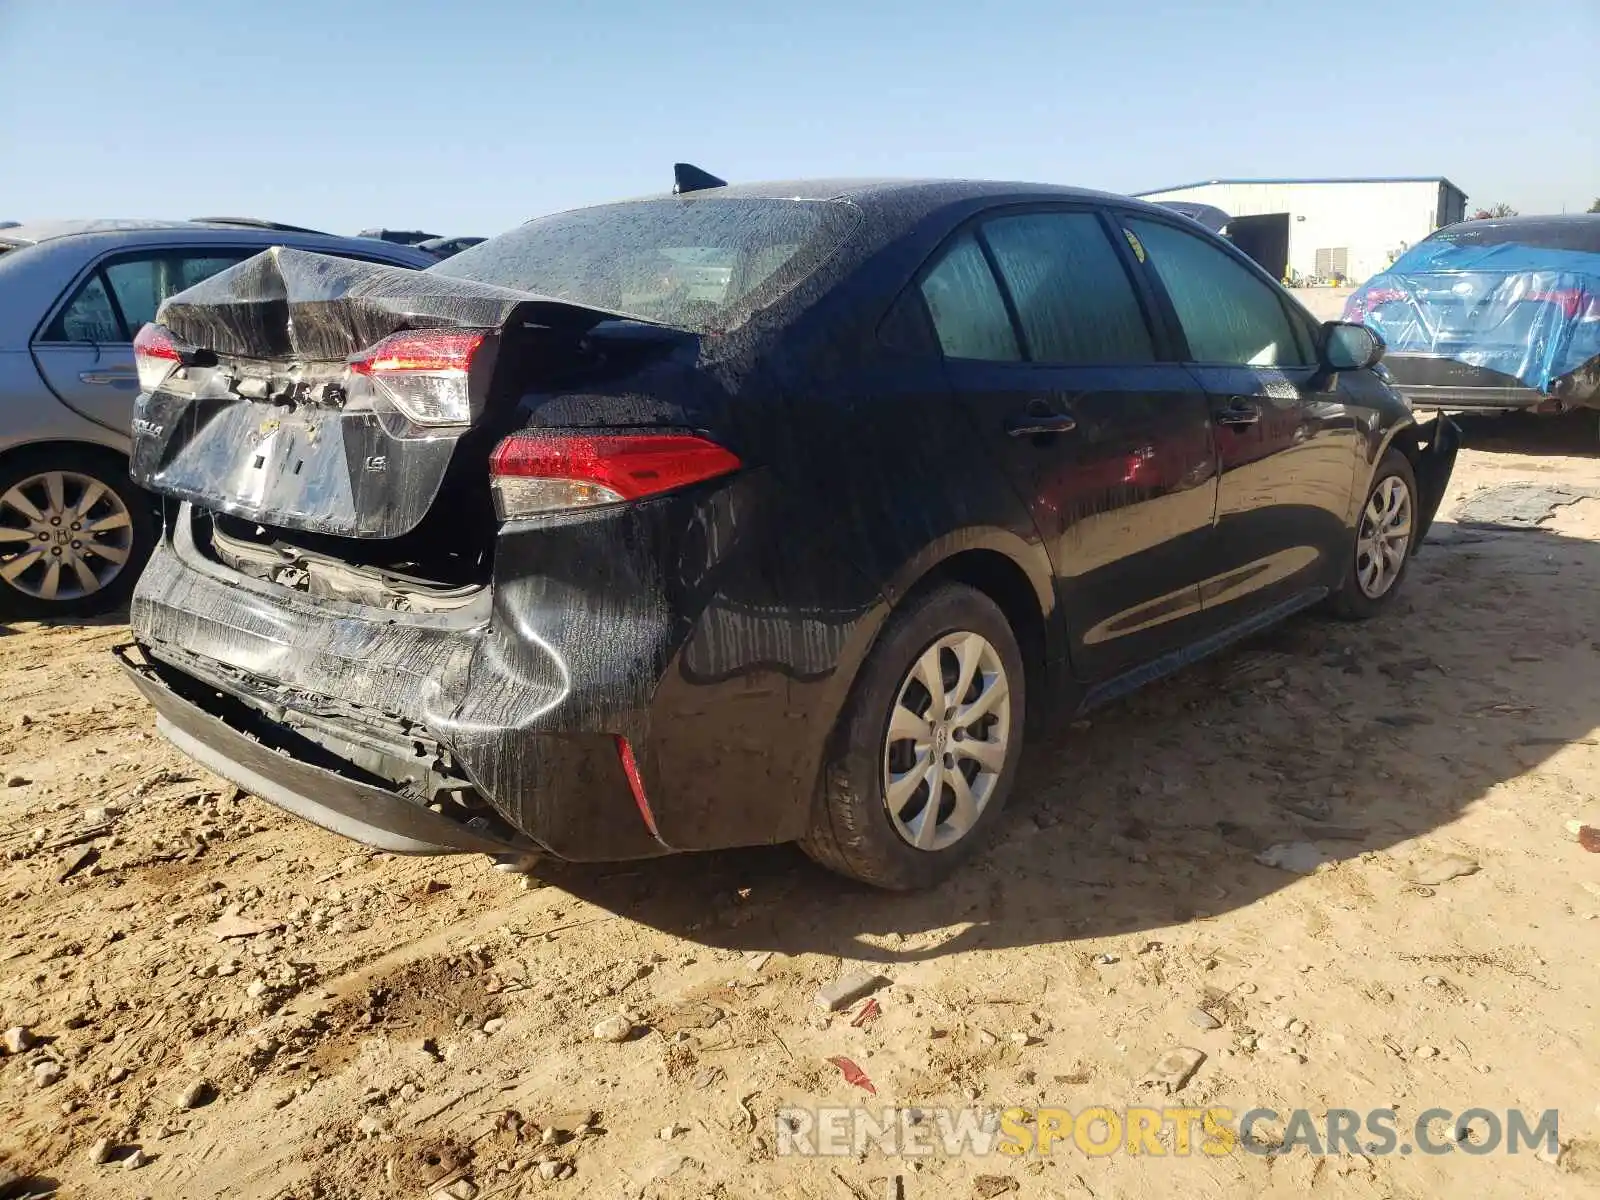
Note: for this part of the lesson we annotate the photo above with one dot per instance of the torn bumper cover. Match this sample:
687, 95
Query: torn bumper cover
1439, 441
363, 721
370, 813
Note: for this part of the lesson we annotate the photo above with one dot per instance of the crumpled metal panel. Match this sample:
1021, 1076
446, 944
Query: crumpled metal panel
1528, 312
322, 452
286, 303
322, 470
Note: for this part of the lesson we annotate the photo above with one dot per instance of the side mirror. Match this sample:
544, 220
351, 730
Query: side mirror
1349, 347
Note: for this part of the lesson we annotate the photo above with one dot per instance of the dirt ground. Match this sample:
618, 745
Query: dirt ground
1324, 303
254, 1008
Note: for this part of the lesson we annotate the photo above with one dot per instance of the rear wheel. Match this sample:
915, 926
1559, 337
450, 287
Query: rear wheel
1385, 535
74, 533
928, 744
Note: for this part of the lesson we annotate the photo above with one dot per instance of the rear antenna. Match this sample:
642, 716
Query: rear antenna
686, 177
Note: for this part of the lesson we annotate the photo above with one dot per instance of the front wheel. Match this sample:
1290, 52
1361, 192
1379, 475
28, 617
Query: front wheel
1385, 536
927, 747
74, 533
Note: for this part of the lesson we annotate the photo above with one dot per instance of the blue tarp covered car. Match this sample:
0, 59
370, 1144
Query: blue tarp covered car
1500, 313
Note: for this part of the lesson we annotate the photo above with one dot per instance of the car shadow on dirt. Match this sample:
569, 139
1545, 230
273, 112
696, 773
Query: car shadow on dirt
26, 1187
1355, 737
1572, 434
112, 620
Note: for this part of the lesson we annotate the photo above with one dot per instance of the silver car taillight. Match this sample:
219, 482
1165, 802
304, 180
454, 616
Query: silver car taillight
426, 373
155, 356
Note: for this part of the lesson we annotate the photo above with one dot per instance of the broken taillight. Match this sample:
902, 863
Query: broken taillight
155, 356
1570, 300
426, 373
1363, 303
535, 473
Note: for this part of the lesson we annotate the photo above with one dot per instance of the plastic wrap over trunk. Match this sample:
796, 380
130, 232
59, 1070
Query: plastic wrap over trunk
266, 420
1528, 315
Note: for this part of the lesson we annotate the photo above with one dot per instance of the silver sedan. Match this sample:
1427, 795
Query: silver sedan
74, 530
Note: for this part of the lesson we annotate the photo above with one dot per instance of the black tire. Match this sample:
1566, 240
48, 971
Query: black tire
79, 463
852, 831
1351, 602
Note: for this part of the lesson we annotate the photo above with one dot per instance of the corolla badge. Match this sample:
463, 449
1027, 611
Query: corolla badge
147, 427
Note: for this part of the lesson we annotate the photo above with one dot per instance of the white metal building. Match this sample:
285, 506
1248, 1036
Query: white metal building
1352, 228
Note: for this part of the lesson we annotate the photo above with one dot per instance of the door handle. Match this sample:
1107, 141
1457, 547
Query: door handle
1239, 414
113, 376
1040, 420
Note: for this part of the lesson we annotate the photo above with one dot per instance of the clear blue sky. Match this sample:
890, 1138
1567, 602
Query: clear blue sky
469, 117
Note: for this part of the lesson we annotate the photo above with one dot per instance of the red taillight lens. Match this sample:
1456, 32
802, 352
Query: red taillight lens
155, 356
1363, 303
429, 350
425, 372
1571, 301
535, 473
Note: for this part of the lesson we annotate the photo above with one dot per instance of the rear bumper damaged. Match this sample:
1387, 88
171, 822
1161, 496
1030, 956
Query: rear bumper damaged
1439, 441
1435, 381
363, 721
240, 750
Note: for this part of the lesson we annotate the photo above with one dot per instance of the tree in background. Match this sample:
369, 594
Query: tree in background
1595, 207
1499, 210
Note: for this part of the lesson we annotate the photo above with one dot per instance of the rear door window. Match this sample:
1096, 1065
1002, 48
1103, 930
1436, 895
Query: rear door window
1229, 315
88, 318
968, 311
123, 294
141, 284
1073, 298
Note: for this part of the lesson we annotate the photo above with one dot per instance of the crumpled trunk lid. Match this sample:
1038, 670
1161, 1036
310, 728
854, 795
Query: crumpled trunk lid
265, 421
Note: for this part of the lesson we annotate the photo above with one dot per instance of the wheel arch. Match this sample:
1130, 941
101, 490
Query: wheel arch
110, 465
44, 448
1431, 451
1400, 434
1026, 603
1004, 581
1011, 571
1405, 437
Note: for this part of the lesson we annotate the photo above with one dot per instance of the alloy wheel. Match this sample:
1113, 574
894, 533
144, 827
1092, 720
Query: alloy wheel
946, 741
1384, 538
63, 535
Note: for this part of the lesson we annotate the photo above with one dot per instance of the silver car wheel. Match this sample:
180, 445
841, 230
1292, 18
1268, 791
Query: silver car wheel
946, 741
63, 535
1384, 538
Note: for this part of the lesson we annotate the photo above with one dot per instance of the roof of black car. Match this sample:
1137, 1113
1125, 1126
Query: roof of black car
934, 190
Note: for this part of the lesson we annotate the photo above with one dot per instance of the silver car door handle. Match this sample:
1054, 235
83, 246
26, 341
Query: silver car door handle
1239, 414
113, 376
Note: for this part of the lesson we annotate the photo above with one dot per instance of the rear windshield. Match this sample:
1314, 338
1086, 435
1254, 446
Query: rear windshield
1473, 243
703, 264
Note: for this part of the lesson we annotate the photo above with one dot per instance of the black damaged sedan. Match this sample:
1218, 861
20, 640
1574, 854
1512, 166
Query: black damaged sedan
742, 515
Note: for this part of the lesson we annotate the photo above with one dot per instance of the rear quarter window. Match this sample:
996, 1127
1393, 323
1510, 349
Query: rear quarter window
965, 304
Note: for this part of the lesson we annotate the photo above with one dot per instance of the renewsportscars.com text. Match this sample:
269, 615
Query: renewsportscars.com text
1099, 1130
